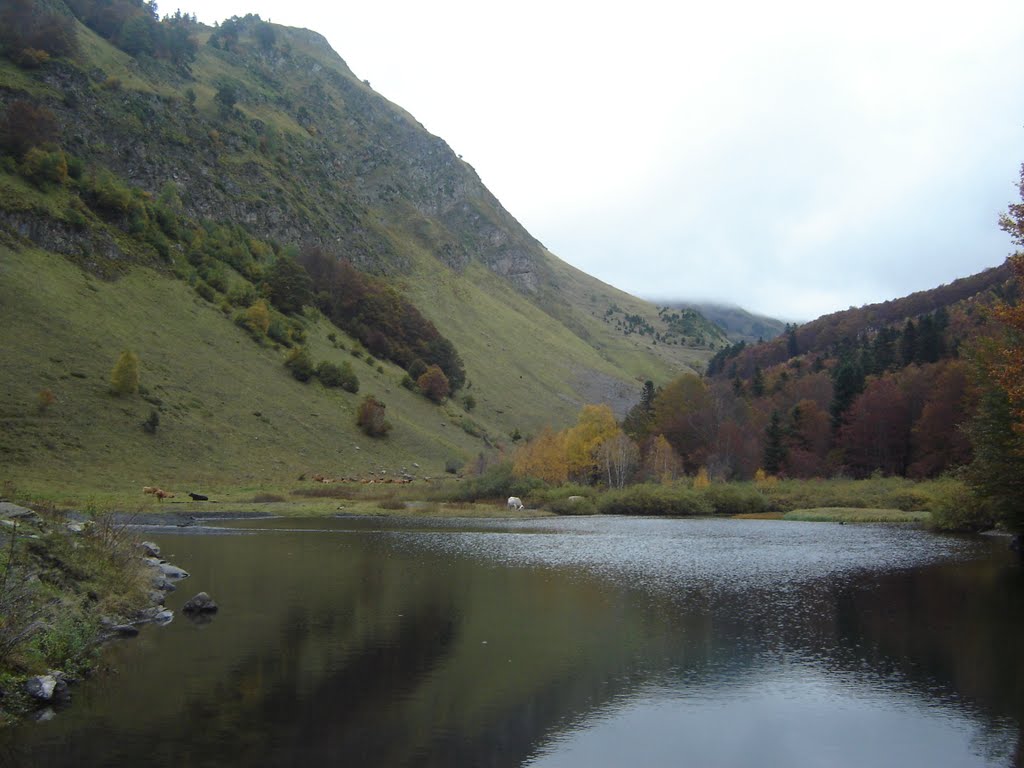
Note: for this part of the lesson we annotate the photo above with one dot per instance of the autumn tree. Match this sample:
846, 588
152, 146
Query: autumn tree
371, 419
938, 442
434, 384
31, 32
684, 414
619, 456
377, 314
25, 125
124, 377
661, 461
288, 285
1007, 365
997, 431
876, 433
595, 424
543, 457
809, 434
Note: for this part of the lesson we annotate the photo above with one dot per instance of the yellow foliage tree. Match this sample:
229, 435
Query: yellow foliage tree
257, 316
543, 457
596, 423
124, 378
661, 460
701, 481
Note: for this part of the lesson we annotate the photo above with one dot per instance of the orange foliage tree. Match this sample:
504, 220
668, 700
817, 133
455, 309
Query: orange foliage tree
683, 413
543, 457
434, 384
1007, 367
996, 474
596, 423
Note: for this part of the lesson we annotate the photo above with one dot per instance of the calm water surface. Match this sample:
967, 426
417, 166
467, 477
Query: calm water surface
564, 642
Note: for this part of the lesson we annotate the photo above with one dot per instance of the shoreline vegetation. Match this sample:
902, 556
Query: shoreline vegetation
68, 582
72, 567
942, 503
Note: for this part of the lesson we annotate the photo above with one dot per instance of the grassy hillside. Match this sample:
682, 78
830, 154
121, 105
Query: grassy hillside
230, 413
738, 323
171, 187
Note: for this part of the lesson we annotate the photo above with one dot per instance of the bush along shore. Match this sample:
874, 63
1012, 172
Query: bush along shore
66, 586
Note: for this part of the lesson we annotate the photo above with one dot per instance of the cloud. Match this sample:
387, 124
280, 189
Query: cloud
793, 157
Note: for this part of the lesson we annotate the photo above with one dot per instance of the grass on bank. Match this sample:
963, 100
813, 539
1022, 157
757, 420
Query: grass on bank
56, 587
944, 503
844, 515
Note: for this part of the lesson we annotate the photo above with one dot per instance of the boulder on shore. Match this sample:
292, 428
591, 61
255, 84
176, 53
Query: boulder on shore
201, 603
149, 549
47, 688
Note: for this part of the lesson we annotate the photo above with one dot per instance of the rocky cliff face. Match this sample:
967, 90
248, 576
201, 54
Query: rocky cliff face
306, 154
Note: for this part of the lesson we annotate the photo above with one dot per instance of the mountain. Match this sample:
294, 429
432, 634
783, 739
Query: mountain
159, 177
883, 389
961, 307
738, 323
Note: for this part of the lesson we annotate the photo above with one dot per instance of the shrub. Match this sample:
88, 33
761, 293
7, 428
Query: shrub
495, 483
370, 417
152, 422
299, 364
204, 289
956, 508
124, 377
44, 168
108, 195
584, 506
329, 374
469, 403
735, 499
349, 380
45, 399
654, 500
416, 369
281, 331
242, 295
332, 375
257, 317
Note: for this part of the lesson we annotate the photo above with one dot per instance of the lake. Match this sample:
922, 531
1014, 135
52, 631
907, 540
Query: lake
564, 642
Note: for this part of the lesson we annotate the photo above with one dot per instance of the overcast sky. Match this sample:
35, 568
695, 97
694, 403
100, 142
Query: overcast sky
792, 157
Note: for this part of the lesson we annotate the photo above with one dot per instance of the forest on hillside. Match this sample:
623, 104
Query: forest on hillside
926, 386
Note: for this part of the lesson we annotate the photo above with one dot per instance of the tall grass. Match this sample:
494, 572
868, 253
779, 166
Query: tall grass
58, 584
879, 498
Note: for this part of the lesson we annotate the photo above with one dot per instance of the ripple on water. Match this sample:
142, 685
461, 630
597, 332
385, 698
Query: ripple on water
710, 554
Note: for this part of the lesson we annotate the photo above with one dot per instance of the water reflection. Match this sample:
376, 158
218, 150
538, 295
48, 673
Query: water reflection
568, 642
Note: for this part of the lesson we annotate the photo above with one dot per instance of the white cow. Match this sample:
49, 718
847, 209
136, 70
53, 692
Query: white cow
514, 502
